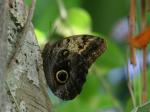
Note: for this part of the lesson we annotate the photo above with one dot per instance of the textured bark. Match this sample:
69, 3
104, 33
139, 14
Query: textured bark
22, 80
3, 55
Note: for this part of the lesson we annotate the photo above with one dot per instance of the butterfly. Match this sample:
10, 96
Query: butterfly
66, 63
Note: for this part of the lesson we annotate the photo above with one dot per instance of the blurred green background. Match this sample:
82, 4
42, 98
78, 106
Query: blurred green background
106, 87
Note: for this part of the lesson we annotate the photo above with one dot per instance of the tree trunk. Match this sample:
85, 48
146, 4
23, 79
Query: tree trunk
22, 82
3, 54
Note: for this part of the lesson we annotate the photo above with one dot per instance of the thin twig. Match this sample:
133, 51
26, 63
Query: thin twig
143, 9
132, 49
63, 15
144, 79
132, 29
62, 9
130, 84
132, 94
131, 88
148, 5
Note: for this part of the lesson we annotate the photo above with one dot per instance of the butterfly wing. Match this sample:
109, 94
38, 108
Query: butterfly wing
66, 63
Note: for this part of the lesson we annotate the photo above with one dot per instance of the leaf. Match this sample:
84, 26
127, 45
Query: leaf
113, 57
40, 36
91, 99
73, 24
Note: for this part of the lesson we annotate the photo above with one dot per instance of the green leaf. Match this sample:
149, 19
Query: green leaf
73, 24
148, 17
40, 37
45, 14
91, 99
112, 57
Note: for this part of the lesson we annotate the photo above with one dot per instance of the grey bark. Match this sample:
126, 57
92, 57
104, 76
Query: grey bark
3, 55
22, 82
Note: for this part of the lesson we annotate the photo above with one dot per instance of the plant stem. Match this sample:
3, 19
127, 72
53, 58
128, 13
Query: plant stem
132, 23
132, 29
131, 89
144, 79
143, 8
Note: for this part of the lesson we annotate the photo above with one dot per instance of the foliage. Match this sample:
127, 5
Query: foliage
100, 93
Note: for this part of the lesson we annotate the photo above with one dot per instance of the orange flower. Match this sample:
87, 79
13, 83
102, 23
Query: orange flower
141, 40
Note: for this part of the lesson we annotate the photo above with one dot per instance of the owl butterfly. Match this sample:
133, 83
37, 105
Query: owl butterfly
66, 63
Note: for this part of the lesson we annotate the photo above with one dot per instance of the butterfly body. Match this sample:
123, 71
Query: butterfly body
66, 63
